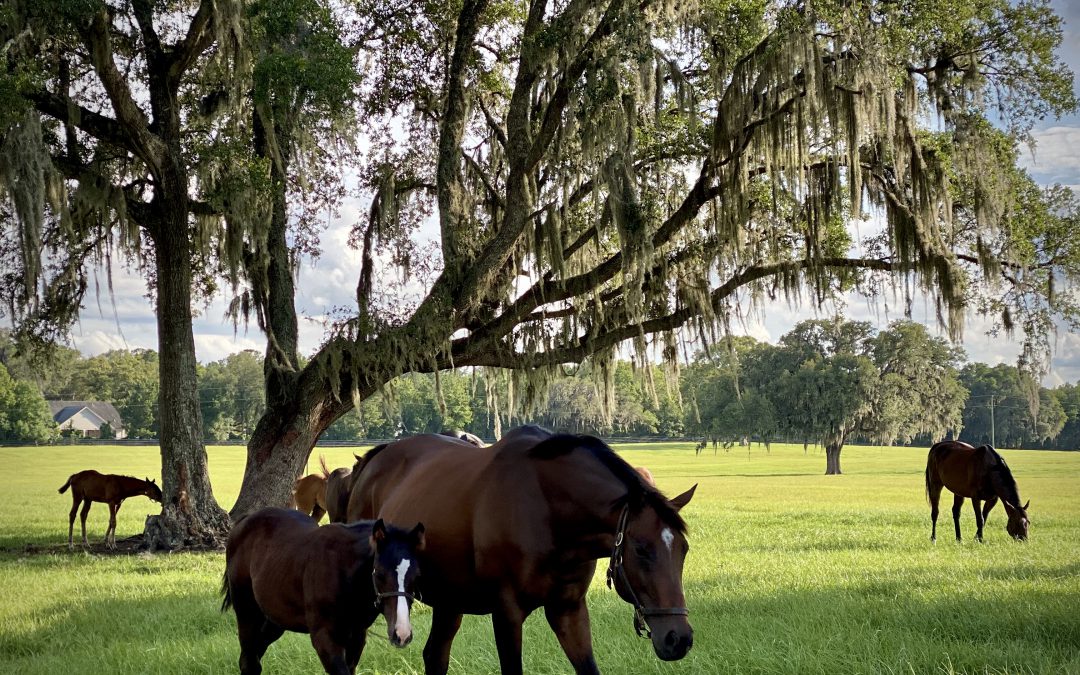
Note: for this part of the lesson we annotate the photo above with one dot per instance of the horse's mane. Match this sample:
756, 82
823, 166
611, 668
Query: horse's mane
361, 462
639, 493
1003, 475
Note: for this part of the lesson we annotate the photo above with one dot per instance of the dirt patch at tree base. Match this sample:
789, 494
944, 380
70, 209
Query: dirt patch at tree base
134, 545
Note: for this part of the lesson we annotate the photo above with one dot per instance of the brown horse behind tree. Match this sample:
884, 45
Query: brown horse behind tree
977, 474
284, 572
309, 492
90, 486
519, 525
338, 486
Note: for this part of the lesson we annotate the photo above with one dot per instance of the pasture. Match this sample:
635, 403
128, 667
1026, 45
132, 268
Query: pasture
789, 571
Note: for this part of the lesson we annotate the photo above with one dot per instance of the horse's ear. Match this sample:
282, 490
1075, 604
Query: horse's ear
378, 533
683, 499
1027, 505
417, 537
358, 458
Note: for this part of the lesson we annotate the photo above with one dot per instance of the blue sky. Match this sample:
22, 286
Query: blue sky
330, 281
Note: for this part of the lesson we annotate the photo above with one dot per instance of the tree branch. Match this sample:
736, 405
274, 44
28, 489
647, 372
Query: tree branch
129, 115
496, 353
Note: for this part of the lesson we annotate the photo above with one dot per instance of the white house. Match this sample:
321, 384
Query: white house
87, 417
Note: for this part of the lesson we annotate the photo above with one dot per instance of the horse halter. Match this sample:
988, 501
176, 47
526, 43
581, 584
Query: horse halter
616, 570
380, 596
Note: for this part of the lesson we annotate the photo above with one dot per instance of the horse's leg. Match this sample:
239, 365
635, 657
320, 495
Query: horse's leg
111, 535
507, 624
444, 626
957, 505
71, 517
330, 651
82, 518
987, 507
570, 622
355, 649
978, 518
256, 634
934, 493
317, 512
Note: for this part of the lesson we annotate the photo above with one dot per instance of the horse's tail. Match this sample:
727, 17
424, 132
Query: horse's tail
325, 469
65, 486
226, 592
931, 465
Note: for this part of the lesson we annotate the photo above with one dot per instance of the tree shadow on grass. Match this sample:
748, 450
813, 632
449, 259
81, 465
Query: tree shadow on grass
172, 632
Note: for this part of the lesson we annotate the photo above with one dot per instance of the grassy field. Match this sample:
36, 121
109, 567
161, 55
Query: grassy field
790, 572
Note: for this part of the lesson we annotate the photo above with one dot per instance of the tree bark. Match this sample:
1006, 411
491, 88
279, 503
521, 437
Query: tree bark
190, 514
283, 439
832, 458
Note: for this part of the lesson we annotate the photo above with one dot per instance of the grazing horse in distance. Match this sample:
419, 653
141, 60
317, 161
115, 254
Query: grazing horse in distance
309, 492
519, 525
90, 486
284, 572
977, 474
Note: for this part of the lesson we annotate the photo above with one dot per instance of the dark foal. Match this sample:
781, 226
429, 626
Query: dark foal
284, 572
978, 474
90, 486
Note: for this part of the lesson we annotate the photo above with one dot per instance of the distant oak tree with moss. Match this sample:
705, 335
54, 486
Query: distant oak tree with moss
600, 173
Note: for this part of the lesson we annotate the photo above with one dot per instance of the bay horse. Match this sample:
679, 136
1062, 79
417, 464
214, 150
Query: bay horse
90, 486
338, 486
284, 572
978, 474
519, 525
309, 492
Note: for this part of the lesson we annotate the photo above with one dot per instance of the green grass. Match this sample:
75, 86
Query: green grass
790, 571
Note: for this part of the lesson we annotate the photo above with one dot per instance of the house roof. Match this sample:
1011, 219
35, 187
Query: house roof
62, 411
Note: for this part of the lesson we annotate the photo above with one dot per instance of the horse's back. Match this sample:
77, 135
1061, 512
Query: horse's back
957, 466
438, 481
264, 536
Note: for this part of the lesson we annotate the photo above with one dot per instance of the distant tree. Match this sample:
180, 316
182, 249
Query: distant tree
106, 431
1068, 396
829, 380
128, 380
24, 414
918, 389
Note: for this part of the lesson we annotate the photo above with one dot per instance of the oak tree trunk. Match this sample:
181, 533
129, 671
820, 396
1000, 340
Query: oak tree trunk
832, 458
190, 514
283, 439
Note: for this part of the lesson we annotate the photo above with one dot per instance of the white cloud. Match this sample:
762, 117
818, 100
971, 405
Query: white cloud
1056, 156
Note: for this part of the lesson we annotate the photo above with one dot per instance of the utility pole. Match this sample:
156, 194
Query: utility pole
993, 441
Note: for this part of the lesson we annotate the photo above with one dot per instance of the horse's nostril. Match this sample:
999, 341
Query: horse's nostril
671, 639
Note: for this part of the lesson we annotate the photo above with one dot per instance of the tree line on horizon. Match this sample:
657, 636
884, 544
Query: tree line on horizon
826, 382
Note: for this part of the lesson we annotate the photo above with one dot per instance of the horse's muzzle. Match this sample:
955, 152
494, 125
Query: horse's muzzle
398, 642
674, 644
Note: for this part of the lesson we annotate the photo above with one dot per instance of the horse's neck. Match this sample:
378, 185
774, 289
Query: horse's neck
1004, 485
587, 522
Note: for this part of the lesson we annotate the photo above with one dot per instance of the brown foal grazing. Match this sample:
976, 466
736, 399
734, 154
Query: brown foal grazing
284, 572
91, 486
977, 474
309, 492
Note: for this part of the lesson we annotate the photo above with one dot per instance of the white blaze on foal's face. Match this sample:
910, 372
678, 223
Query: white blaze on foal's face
402, 627
668, 538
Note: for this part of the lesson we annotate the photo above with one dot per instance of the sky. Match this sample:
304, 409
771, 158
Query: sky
126, 320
